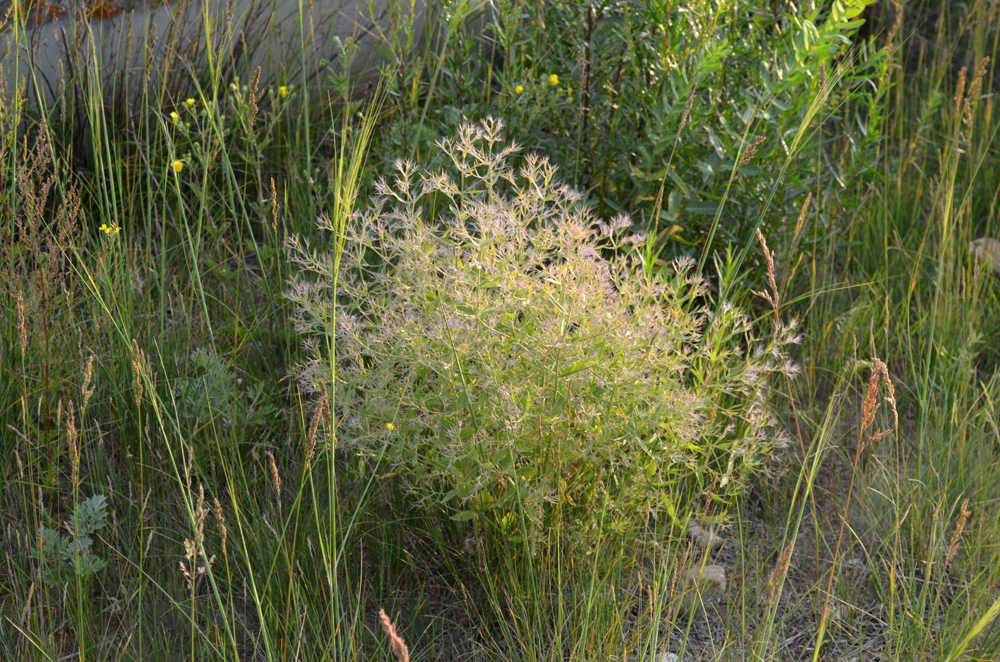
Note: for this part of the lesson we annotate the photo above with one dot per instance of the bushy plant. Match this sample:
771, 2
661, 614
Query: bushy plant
216, 394
700, 119
506, 356
58, 552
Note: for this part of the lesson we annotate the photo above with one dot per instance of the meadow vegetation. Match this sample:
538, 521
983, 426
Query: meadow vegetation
447, 357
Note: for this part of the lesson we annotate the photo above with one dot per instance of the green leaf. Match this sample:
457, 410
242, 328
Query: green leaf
703, 207
91, 515
465, 516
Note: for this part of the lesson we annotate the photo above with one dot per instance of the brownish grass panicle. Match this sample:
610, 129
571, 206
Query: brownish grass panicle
319, 416
399, 648
275, 477
22, 326
957, 537
72, 438
138, 365
87, 389
275, 208
772, 298
751, 150
972, 96
220, 521
777, 576
194, 547
871, 404
690, 102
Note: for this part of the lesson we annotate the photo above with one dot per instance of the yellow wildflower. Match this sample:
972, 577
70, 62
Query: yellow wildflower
283, 91
189, 102
518, 89
554, 79
390, 427
569, 90
174, 117
177, 165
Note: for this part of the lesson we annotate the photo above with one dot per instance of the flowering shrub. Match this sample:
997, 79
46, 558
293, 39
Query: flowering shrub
503, 366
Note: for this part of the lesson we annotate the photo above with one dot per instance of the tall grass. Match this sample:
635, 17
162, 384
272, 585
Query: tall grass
150, 416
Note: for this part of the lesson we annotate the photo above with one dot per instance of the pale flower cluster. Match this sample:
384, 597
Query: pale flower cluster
523, 352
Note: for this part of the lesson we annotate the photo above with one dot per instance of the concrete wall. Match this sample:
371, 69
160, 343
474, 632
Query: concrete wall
168, 43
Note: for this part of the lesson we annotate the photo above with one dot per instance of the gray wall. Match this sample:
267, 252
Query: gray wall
284, 38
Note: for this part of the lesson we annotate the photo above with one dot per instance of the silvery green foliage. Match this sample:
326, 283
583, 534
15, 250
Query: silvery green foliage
208, 395
73, 551
500, 364
216, 394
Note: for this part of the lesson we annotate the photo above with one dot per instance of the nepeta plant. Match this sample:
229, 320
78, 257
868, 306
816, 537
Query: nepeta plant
510, 358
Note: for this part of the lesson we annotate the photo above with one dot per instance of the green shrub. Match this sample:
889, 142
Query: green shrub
490, 354
700, 119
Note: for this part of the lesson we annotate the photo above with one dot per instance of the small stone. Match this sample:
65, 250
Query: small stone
703, 585
987, 250
669, 657
707, 539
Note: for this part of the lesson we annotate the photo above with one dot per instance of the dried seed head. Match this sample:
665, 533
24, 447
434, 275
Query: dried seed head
690, 103
318, 418
254, 96
87, 390
956, 538
275, 208
138, 365
870, 405
275, 477
220, 521
751, 150
960, 92
22, 325
399, 648
72, 437
972, 96
195, 546
777, 576
773, 297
